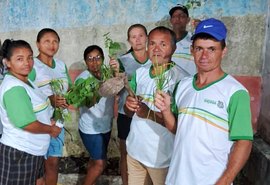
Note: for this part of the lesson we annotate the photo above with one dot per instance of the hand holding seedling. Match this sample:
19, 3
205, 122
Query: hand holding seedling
132, 103
114, 65
59, 101
162, 101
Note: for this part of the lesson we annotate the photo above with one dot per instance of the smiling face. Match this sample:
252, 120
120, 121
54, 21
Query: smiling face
208, 55
94, 61
160, 47
137, 38
20, 63
48, 44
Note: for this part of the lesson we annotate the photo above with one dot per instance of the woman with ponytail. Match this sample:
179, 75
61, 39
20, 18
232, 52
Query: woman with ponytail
25, 116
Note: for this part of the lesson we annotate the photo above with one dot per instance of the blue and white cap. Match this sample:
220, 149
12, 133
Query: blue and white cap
213, 27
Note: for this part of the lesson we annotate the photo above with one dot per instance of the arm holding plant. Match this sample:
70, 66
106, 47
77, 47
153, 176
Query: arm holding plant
163, 103
134, 105
131, 105
143, 111
39, 128
58, 101
114, 64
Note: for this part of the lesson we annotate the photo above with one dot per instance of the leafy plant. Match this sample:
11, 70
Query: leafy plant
58, 89
113, 47
106, 72
84, 93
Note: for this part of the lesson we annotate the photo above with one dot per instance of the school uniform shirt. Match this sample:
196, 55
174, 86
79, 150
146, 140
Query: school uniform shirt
182, 55
128, 64
98, 118
210, 119
20, 105
149, 142
42, 75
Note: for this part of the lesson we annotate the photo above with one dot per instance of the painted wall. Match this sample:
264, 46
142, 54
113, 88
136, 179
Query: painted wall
22, 15
83, 22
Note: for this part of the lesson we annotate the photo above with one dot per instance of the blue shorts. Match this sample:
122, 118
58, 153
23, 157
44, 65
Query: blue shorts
56, 145
96, 144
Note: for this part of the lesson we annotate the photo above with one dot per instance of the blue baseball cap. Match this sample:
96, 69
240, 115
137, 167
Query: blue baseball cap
213, 27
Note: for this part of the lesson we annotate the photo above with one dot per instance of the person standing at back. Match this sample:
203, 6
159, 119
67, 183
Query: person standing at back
179, 18
47, 68
128, 63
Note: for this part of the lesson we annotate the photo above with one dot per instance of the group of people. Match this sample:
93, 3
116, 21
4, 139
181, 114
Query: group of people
190, 122
186, 122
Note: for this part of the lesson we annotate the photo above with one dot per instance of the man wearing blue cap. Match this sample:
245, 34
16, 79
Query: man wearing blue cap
213, 120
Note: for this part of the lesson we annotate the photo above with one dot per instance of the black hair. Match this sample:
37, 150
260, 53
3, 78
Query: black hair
92, 48
179, 7
42, 32
206, 36
163, 29
8, 47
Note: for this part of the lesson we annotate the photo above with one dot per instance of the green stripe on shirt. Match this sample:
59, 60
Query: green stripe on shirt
19, 107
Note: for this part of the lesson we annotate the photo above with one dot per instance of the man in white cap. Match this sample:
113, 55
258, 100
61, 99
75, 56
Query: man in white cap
182, 56
213, 121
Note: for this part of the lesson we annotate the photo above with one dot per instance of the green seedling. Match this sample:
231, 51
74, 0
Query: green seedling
113, 47
84, 93
106, 72
59, 112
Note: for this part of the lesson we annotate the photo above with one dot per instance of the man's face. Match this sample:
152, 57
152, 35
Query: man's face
208, 55
160, 48
179, 20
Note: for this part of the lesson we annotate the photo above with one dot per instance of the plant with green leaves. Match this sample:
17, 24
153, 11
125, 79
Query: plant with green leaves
84, 93
106, 72
161, 78
113, 47
59, 112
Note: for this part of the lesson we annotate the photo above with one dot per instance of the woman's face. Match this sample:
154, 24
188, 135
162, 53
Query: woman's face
48, 44
137, 39
20, 63
94, 61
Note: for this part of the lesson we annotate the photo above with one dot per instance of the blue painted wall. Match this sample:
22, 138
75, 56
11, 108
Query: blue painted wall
22, 15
